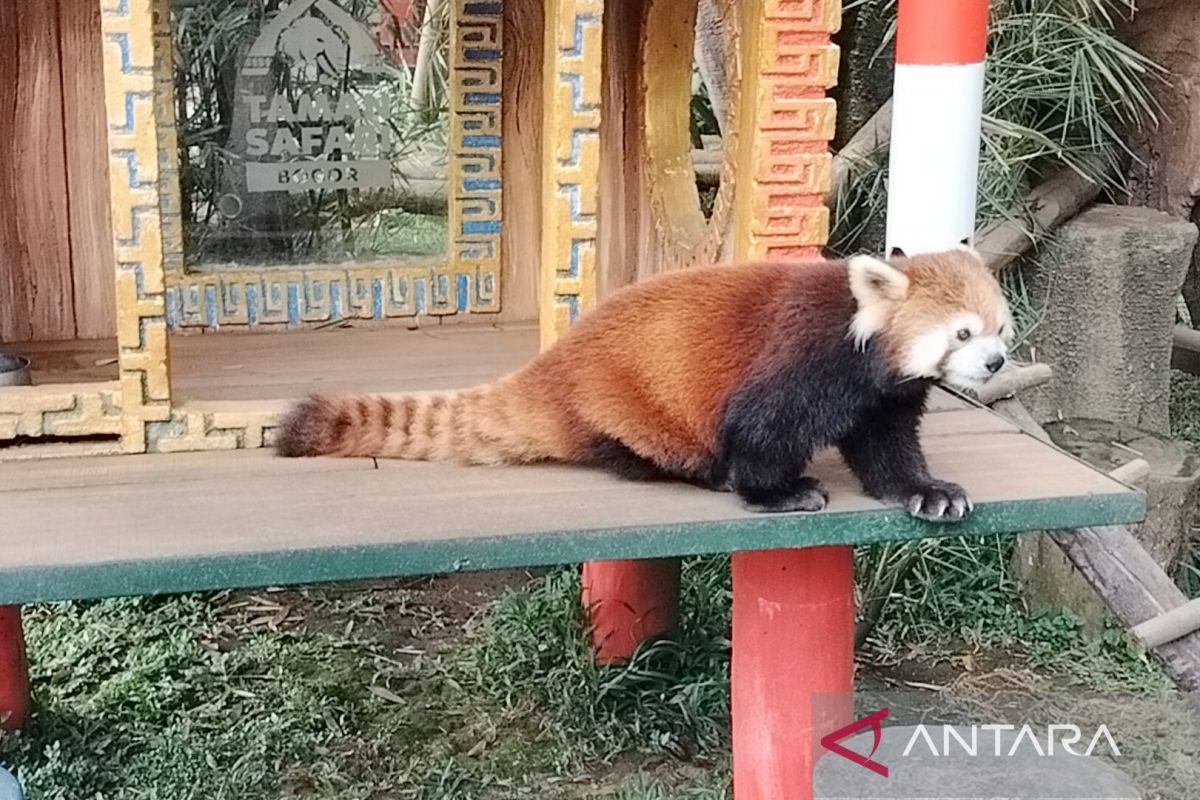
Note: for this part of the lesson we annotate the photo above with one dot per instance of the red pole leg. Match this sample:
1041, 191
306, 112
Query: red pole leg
628, 602
14, 672
793, 641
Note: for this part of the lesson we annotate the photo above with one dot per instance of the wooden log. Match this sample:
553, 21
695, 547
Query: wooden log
868, 140
1135, 590
1135, 473
1185, 350
1172, 487
1133, 586
1009, 382
1175, 624
1050, 204
1001, 242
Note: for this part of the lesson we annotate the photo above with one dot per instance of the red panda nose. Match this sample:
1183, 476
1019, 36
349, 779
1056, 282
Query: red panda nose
995, 363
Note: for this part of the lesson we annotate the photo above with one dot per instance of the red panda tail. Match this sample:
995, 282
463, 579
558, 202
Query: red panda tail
493, 424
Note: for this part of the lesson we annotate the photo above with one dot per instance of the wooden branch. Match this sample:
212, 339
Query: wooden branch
1008, 383
872, 137
1168, 627
1052, 203
1129, 581
1185, 353
1132, 473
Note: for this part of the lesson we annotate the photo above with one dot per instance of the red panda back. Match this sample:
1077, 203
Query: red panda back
651, 368
654, 366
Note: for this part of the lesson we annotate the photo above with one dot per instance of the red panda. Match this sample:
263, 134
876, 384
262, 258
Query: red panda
730, 377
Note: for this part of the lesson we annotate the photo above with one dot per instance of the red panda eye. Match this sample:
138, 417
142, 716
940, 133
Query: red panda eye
963, 334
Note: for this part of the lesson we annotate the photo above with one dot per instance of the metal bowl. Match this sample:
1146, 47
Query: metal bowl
9, 788
14, 370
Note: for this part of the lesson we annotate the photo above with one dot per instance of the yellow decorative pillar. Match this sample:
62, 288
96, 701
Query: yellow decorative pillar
128, 29
784, 126
570, 180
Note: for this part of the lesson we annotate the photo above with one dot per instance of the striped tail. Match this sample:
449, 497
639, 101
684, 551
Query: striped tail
494, 424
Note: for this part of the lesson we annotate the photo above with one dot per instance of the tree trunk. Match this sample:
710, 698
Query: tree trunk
1166, 171
710, 57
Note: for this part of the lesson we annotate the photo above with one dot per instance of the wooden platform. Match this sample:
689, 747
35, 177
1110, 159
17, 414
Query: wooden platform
80, 528
281, 366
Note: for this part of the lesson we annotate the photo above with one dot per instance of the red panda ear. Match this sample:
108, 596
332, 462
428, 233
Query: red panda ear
964, 247
873, 281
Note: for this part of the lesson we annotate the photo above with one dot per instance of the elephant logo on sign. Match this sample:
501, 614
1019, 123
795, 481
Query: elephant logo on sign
318, 37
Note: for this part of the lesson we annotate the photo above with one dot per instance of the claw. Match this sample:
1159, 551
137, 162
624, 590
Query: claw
940, 502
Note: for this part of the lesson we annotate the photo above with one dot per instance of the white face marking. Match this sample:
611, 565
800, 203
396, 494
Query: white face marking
964, 363
967, 367
1006, 326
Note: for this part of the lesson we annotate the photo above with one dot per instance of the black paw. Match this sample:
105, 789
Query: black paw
808, 495
939, 501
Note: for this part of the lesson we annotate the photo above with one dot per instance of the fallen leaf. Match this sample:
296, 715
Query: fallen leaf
387, 694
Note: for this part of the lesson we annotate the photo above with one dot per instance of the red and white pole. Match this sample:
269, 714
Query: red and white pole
937, 108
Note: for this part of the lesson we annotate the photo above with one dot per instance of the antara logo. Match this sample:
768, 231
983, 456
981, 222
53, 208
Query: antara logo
1062, 738
872, 721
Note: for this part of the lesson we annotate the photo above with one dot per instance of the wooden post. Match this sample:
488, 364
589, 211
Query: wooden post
793, 652
629, 602
14, 672
793, 610
133, 147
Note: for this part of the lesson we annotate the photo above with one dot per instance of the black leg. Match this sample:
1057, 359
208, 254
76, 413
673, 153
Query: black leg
770, 431
617, 458
765, 463
884, 451
796, 494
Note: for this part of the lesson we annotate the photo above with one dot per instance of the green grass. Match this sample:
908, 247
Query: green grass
179, 699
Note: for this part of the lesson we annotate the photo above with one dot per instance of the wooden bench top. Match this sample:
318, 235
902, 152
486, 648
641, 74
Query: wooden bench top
123, 525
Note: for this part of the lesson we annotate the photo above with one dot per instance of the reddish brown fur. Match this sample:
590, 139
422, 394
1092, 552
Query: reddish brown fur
653, 367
